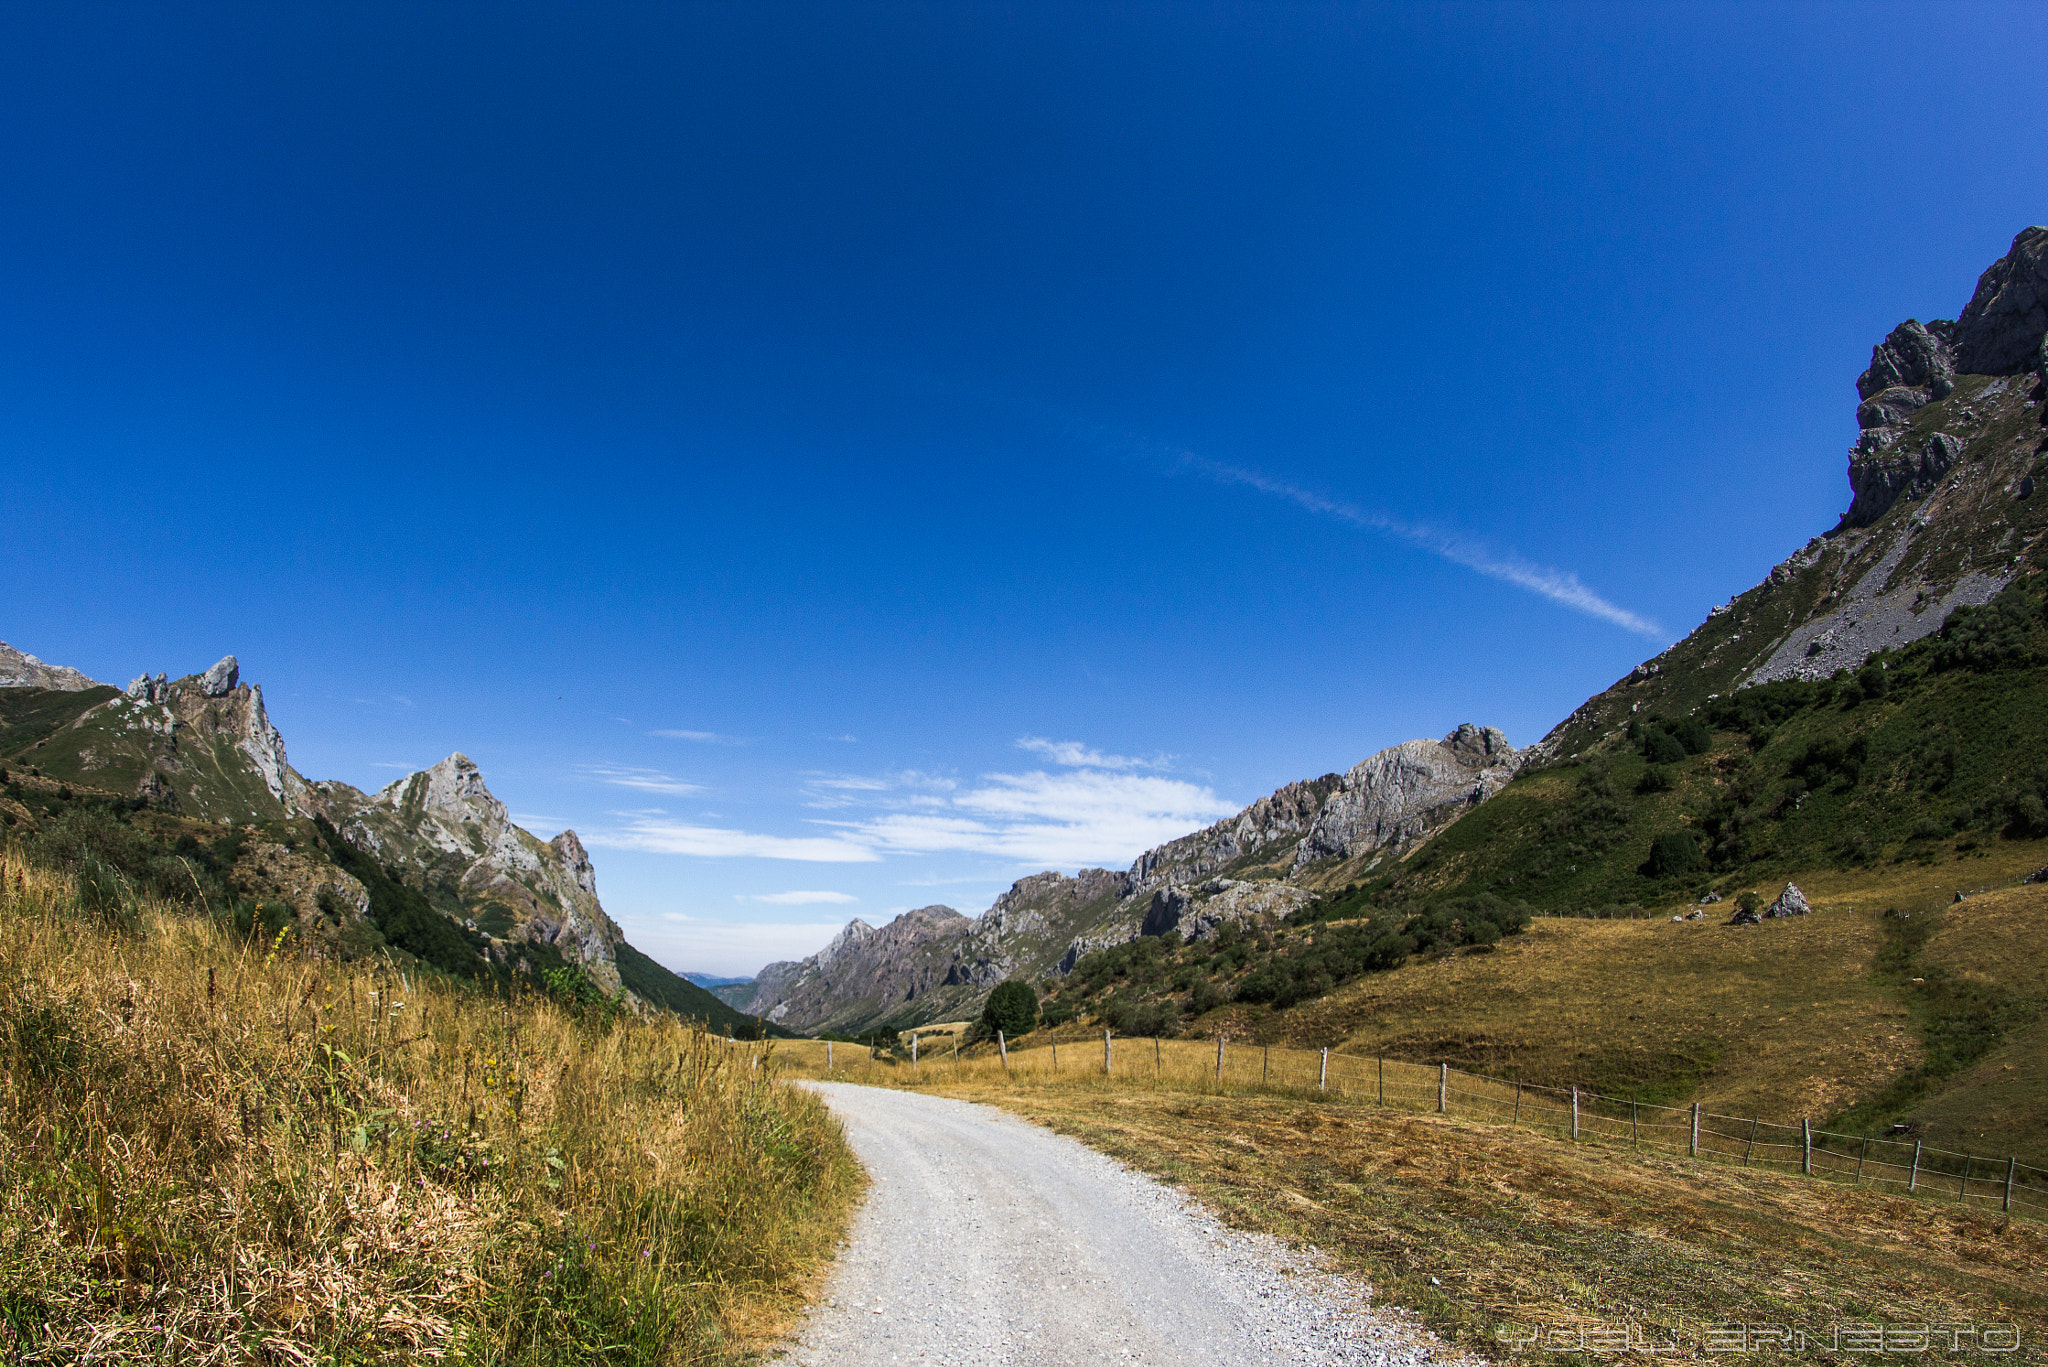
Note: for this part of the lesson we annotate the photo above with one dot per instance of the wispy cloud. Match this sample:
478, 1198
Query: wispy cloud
394, 764
700, 737
1074, 755
844, 740
800, 899
1091, 815
831, 792
658, 836
641, 780
1559, 586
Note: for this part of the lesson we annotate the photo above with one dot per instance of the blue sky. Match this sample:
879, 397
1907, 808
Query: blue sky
842, 458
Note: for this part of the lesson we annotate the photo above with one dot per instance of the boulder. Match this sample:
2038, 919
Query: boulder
1745, 916
220, 680
2001, 331
1791, 902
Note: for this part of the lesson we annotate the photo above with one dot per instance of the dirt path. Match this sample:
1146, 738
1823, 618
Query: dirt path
989, 1240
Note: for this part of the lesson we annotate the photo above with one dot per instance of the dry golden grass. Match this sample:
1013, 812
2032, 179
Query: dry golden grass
1785, 1018
212, 1151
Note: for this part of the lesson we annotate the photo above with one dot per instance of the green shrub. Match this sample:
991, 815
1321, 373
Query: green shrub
1012, 1008
1672, 853
1998, 635
1655, 779
1661, 747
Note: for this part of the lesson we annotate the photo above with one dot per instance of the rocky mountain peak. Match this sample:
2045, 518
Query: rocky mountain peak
452, 791
1914, 357
2003, 327
18, 670
575, 861
220, 680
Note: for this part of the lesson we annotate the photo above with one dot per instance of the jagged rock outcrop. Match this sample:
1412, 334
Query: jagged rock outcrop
220, 680
1403, 794
2002, 327
1280, 818
18, 670
443, 828
143, 688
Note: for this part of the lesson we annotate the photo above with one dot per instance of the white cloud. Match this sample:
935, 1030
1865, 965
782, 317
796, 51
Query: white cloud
1092, 812
715, 842
643, 780
800, 899
843, 740
1075, 755
1059, 820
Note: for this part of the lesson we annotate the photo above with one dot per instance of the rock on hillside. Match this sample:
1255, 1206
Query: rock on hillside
934, 964
443, 829
26, 671
1942, 507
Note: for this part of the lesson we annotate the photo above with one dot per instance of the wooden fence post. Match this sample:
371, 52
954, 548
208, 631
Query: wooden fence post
828, 1056
1323, 1079
1265, 1064
1575, 1115
1963, 1182
1695, 1129
1158, 1062
1860, 1156
1443, 1088
1806, 1145
1219, 1056
1383, 1079
1055, 1053
1750, 1148
1105, 1052
1913, 1177
1003, 1048
2012, 1166
1518, 1104
913, 1051
1635, 1129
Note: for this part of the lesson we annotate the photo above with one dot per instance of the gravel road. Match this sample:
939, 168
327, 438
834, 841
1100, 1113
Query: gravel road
988, 1240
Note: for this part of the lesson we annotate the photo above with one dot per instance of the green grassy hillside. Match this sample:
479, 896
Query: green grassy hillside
1931, 754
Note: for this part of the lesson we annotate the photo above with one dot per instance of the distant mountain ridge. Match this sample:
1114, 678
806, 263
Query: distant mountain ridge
935, 964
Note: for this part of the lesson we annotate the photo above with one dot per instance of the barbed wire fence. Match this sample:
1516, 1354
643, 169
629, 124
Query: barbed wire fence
1897, 1163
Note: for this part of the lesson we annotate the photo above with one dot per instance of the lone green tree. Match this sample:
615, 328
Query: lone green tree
1012, 1008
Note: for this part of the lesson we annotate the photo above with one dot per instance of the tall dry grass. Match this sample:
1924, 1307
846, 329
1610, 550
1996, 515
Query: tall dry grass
219, 1151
